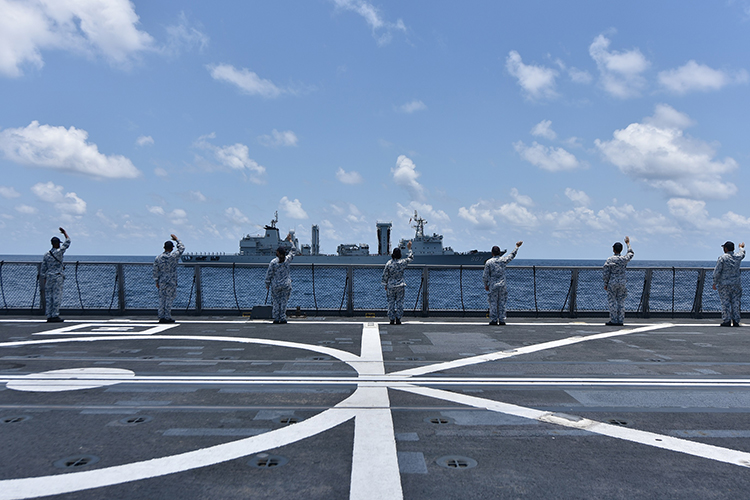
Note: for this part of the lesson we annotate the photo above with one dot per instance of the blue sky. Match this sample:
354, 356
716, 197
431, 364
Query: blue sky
566, 124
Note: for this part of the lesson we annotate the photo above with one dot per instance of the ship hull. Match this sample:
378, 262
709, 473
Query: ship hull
477, 258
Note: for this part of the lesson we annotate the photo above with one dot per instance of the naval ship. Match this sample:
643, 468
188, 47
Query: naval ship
262, 248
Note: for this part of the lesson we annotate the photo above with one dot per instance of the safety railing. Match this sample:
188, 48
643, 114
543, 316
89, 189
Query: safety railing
349, 290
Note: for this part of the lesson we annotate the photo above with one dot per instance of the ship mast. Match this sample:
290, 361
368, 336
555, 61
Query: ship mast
419, 225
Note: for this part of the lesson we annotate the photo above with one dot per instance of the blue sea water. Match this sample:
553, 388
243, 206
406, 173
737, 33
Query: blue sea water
91, 286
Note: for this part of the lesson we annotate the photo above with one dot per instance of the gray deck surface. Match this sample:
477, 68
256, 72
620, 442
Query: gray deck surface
539, 408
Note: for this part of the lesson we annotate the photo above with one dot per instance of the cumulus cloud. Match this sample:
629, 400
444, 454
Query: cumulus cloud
345, 177
9, 192
425, 210
276, 139
144, 140
236, 216
485, 215
106, 28
63, 149
235, 157
544, 129
538, 82
694, 77
155, 210
521, 199
382, 30
578, 197
65, 203
405, 175
412, 106
658, 153
177, 216
621, 73
550, 159
245, 80
105, 220
292, 208
694, 215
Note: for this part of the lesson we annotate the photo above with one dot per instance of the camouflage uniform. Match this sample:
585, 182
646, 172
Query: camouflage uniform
54, 277
165, 276
494, 279
393, 280
616, 284
279, 281
727, 282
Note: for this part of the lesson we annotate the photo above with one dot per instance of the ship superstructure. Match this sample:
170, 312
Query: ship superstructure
262, 248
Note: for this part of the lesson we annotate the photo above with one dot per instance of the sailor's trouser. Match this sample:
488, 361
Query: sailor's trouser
616, 293
167, 294
395, 297
730, 296
497, 298
53, 289
279, 300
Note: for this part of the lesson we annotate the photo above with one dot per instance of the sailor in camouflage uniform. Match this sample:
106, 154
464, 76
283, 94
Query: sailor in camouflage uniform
494, 282
395, 286
727, 282
279, 282
615, 283
165, 276
52, 273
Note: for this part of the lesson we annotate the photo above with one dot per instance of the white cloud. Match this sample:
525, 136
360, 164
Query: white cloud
160, 172
183, 36
578, 197
484, 215
537, 81
425, 210
106, 220
155, 210
62, 149
66, 203
197, 196
26, 209
144, 140
235, 157
412, 106
286, 139
9, 192
247, 81
698, 77
580, 76
292, 208
405, 175
620, 72
543, 129
345, 177
178, 216
382, 30
694, 215
521, 199
93, 27
236, 216
550, 159
658, 153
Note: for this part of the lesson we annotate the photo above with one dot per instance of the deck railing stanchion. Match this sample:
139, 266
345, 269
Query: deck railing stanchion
120, 288
426, 291
698, 301
350, 291
199, 290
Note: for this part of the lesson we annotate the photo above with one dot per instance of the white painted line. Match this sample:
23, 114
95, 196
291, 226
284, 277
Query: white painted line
375, 473
371, 355
108, 329
483, 358
31, 487
702, 450
70, 379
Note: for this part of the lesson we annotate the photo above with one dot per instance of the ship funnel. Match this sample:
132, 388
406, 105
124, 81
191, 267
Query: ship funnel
315, 240
384, 238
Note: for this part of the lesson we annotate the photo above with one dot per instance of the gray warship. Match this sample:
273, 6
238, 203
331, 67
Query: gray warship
262, 248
